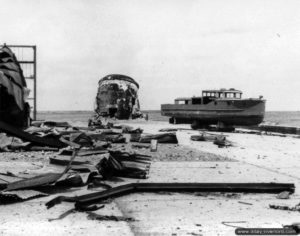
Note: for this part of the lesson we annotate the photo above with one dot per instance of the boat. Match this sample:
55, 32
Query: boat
224, 108
14, 108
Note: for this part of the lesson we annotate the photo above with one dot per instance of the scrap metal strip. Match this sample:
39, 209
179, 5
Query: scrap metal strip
185, 187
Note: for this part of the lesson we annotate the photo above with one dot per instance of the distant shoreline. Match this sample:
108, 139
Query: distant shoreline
57, 111
286, 118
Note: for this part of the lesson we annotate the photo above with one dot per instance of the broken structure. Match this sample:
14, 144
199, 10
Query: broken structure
14, 108
118, 97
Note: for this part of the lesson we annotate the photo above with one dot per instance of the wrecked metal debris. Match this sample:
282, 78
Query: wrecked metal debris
88, 199
84, 152
39, 180
14, 108
198, 138
94, 216
65, 160
168, 130
221, 141
279, 129
230, 223
19, 196
161, 138
124, 164
176, 187
140, 145
16, 132
284, 207
108, 137
118, 97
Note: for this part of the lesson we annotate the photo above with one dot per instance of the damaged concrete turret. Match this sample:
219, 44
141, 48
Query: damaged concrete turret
118, 97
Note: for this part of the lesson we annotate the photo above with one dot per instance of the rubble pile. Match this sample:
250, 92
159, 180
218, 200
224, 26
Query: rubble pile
70, 146
219, 140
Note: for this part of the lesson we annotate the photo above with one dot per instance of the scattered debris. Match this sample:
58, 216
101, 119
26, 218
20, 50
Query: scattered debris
140, 145
294, 226
124, 164
16, 132
73, 210
64, 160
246, 203
94, 216
19, 196
161, 138
5, 142
130, 130
198, 137
168, 130
221, 141
153, 145
135, 138
108, 137
63, 215
286, 208
279, 129
283, 195
229, 223
72, 180
39, 180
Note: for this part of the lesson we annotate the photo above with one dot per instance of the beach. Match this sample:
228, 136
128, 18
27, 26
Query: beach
287, 118
252, 158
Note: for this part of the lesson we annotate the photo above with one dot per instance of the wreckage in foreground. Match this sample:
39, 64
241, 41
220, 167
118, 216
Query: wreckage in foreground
13, 90
118, 97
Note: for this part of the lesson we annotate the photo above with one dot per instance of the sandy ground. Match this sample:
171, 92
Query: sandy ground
253, 158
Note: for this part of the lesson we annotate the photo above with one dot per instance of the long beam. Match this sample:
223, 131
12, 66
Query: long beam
91, 198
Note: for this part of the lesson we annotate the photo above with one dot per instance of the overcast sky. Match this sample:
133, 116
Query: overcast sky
171, 48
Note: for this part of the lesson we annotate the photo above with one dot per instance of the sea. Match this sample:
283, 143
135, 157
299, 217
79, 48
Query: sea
285, 118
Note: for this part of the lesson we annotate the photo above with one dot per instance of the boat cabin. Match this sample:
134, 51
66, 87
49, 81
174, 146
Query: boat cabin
210, 95
185, 101
222, 93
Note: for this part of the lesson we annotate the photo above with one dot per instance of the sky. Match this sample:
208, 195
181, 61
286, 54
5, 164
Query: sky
172, 48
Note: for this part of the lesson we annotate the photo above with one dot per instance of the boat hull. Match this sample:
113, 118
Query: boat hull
244, 112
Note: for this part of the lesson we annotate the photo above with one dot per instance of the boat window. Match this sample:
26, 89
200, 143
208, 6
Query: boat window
196, 101
229, 95
221, 95
182, 102
238, 95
